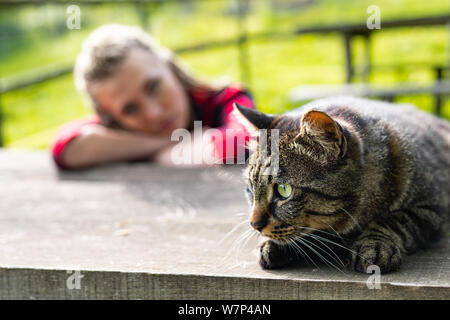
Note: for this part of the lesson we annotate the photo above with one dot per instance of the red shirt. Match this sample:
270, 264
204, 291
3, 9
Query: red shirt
214, 111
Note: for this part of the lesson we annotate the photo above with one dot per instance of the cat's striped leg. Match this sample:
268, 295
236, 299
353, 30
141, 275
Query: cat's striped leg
385, 242
378, 245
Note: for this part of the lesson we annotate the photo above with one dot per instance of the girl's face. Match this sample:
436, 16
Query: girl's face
144, 95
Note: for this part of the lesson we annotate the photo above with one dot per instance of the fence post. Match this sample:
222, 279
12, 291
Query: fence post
348, 56
1, 122
243, 7
367, 67
142, 12
438, 96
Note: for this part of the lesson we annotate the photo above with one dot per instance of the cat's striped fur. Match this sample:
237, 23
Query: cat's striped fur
371, 183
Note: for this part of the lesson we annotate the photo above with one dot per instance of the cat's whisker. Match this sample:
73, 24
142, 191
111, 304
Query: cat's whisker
353, 218
300, 248
241, 238
331, 241
255, 233
339, 245
291, 246
232, 231
337, 259
331, 250
252, 233
318, 230
242, 243
235, 244
241, 214
335, 231
328, 262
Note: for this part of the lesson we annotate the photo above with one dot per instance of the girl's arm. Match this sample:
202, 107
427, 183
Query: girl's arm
97, 144
86, 142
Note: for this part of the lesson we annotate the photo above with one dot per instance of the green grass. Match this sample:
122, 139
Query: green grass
32, 115
41, 107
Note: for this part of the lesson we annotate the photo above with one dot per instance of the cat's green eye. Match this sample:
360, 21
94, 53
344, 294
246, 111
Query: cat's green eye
284, 190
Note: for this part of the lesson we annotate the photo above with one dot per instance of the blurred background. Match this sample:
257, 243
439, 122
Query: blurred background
285, 51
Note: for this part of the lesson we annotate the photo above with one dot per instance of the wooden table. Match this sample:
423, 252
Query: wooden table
304, 93
139, 231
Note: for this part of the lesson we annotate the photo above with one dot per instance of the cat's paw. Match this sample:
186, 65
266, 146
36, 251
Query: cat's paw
273, 255
366, 252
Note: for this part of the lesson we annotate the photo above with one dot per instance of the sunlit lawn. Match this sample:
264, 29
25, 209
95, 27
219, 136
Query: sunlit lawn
34, 114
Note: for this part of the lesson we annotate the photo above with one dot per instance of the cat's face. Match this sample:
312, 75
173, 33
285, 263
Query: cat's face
312, 188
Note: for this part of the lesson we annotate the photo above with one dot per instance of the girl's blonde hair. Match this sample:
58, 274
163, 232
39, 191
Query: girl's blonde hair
106, 47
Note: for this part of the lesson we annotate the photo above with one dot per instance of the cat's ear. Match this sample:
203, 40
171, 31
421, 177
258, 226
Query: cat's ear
322, 129
252, 119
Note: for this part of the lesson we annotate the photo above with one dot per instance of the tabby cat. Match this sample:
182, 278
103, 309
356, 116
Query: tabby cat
359, 183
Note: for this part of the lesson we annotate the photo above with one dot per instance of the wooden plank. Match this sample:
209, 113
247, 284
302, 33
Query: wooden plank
311, 92
33, 77
82, 2
47, 73
361, 28
140, 231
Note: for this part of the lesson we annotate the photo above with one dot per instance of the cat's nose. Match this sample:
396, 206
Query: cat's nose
259, 225
258, 219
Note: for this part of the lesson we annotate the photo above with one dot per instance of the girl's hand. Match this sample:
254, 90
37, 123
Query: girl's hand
193, 152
